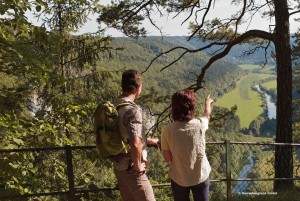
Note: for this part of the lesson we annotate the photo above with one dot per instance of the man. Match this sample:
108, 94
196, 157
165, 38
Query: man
130, 169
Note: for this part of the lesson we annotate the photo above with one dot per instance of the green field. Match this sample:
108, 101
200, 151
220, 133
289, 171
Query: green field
247, 100
249, 67
263, 76
270, 85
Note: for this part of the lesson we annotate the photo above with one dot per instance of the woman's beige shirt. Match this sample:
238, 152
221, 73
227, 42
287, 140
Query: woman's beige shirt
186, 142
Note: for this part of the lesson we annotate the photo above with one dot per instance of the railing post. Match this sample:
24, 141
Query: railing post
70, 173
228, 169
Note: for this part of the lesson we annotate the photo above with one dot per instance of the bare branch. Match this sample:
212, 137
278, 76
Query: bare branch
134, 13
186, 51
256, 9
217, 50
161, 117
160, 55
251, 51
193, 6
230, 44
240, 17
153, 23
264, 47
266, 52
170, 64
192, 10
203, 20
295, 12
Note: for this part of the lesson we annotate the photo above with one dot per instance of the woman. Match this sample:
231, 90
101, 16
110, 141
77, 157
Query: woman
183, 145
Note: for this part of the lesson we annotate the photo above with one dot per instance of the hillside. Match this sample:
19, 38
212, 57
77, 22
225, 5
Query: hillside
139, 53
237, 55
159, 83
230, 84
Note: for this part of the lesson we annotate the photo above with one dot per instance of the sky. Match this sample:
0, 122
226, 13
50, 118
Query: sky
174, 27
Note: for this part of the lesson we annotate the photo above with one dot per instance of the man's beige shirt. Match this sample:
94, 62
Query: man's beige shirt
130, 126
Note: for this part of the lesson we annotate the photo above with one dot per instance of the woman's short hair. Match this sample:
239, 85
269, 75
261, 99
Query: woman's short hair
183, 105
131, 80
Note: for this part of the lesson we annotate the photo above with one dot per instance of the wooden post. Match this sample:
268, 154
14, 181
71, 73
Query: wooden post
70, 173
228, 169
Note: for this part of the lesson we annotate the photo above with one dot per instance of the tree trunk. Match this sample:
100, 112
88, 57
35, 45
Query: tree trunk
283, 154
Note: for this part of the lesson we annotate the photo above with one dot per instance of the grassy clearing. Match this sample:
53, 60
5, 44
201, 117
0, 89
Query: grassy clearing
249, 67
267, 69
247, 100
270, 85
264, 76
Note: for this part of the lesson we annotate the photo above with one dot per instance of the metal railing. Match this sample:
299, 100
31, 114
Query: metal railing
237, 170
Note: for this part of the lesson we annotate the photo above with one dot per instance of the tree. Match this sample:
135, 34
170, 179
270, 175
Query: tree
50, 62
15, 32
223, 35
74, 57
296, 104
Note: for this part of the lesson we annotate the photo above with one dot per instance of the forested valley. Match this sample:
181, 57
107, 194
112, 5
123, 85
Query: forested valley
29, 121
52, 80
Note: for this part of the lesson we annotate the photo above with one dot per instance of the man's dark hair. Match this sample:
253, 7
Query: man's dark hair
131, 80
183, 105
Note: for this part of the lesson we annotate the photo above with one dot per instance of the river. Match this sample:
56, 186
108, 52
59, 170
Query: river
242, 186
270, 104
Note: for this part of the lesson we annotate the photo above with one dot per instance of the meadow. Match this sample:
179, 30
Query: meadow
249, 67
247, 100
270, 85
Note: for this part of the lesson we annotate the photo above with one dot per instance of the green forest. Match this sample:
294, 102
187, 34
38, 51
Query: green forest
52, 79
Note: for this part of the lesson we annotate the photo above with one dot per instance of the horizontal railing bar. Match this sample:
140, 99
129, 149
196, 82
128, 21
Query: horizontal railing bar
219, 142
267, 179
217, 180
153, 185
35, 195
32, 149
95, 190
93, 147
266, 143
83, 147
44, 149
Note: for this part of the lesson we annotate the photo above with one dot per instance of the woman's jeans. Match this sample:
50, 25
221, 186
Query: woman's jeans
200, 191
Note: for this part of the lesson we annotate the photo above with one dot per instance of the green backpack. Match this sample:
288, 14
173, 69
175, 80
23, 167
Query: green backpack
109, 141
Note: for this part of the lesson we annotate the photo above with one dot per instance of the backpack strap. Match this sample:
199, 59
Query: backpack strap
126, 103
